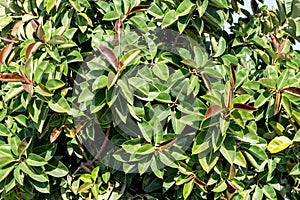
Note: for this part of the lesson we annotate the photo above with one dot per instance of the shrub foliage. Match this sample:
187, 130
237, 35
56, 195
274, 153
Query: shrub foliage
219, 117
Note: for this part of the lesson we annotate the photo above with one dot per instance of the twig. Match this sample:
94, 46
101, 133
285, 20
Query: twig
103, 146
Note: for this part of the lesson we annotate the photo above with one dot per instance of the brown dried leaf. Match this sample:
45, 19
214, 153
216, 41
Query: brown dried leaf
167, 144
277, 105
5, 52
55, 133
32, 48
34, 24
254, 6
16, 27
28, 88
292, 90
41, 33
275, 42
213, 110
281, 48
80, 126
199, 183
232, 185
11, 78
245, 107
139, 8
110, 55
232, 172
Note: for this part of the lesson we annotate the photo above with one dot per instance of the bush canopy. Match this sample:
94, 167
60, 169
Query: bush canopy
136, 99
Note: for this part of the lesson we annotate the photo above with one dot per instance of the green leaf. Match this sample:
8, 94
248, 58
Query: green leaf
269, 192
42, 187
60, 105
35, 160
100, 82
296, 170
54, 84
49, 4
145, 149
282, 80
228, 149
4, 131
220, 187
297, 137
185, 8
278, 144
111, 15
187, 189
201, 57
4, 172
258, 193
56, 168
221, 47
209, 161
38, 177
240, 159
170, 17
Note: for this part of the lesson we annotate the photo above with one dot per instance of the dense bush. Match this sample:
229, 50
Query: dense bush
138, 99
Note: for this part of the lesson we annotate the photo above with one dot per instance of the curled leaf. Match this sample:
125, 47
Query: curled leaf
41, 33
80, 126
32, 48
213, 110
245, 107
254, 6
292, 90
5, 52
139, 8
34, 24
277, 105
281, 48
275, 42
109, 54
55, 133
199, 183
16, 27
11, 78
28, 88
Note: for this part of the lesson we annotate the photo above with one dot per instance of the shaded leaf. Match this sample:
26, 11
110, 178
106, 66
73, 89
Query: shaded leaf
110, 55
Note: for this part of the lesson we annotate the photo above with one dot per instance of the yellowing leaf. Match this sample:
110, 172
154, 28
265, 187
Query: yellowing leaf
278, 144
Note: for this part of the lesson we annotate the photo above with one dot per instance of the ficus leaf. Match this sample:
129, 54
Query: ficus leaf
213, 110
5, 52
110, 55
277, 105
292, 90
245, 107
11, 78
